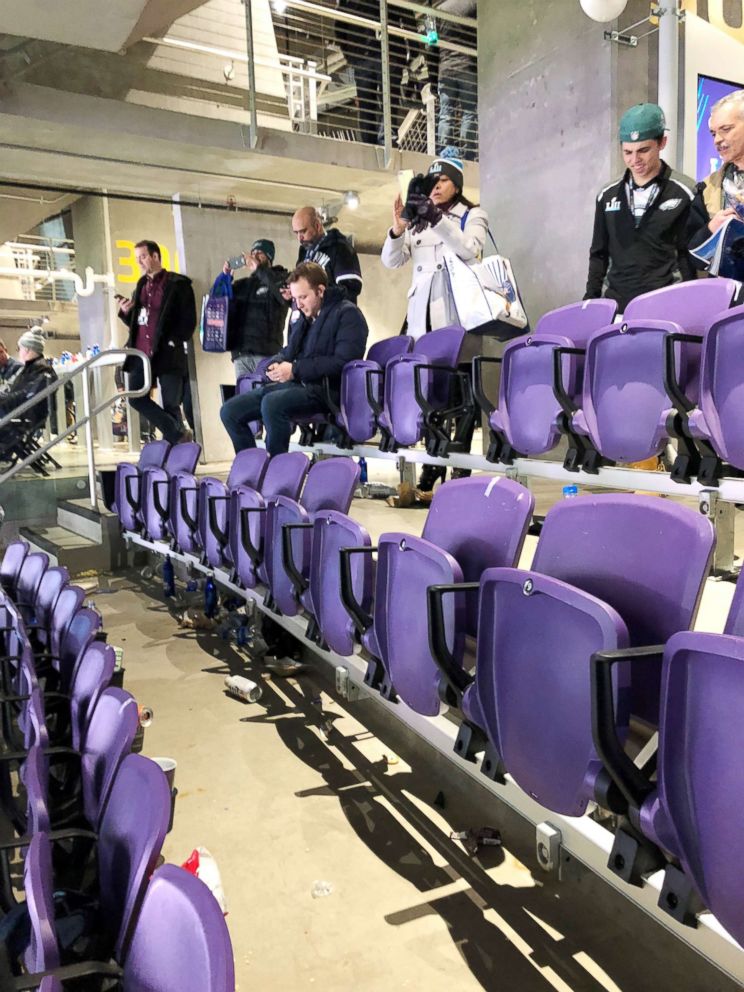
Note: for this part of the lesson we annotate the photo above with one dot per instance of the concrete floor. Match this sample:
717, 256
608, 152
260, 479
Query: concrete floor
302, 787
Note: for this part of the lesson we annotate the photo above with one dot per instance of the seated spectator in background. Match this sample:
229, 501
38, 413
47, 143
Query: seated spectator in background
9, 368
458, 83
329, 249
330, 332
258, 311
161, 317
641, 221
717, 195
35, 375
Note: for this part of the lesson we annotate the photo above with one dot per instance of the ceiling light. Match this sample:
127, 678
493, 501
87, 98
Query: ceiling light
351, 199
603, 10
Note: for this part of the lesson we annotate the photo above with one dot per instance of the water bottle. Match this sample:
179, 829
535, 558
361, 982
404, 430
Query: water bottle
363, 471
169, 579
210, 598
570, 491
242, 688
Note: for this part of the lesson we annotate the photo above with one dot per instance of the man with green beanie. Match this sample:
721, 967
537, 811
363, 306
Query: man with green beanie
258, 309
35, 376
640, 223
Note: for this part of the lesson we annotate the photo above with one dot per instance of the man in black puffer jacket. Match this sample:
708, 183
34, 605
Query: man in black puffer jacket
35, 376
330, 332
329, 249
258, 309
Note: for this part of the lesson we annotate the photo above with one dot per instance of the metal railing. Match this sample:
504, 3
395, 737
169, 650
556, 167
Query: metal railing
116, 356
34, 261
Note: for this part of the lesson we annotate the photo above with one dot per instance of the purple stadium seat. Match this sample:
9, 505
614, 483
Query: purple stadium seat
527, 420
643, 559
92, 677
329, 485
417, 404
39, 616
250, 381
627, 411
283, 477
181, 939
473, 524
155, 488
29, 578
11, 564
362, 379
127, 482
692, 809
42, 953
715, 424
331, 532
248, 469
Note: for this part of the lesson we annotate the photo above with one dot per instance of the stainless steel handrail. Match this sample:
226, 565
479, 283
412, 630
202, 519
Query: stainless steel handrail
102, 359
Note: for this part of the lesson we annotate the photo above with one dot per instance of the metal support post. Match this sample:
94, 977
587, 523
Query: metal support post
386, 109
253, 123
721, 514
89, 440
669, 77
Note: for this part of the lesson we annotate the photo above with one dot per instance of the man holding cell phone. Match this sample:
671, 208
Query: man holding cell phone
161, 317
258, 310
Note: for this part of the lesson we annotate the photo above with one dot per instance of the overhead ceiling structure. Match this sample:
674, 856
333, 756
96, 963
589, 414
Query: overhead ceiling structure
21, 209
85, 24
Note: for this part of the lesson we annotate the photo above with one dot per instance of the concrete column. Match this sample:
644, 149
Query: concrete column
551, 92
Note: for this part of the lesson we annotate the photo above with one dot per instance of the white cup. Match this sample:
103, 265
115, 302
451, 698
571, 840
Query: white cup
169, 767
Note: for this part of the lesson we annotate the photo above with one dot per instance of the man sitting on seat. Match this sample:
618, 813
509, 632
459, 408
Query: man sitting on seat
330, 332
34, 376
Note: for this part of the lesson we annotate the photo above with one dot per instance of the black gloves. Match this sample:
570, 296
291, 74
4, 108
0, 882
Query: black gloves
427, 213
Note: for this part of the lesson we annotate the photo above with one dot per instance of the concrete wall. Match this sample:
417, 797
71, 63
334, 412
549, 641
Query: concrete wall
551, 91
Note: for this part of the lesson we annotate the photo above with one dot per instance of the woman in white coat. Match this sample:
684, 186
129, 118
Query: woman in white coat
445, 221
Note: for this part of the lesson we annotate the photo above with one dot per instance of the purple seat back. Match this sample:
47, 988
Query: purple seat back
284, 475
82, 630
69, 601
357, 415
624, 406
210, 488
30, 576
330, 485
54, 580
183, 486
692, 305
406, 566
248, 468
535, 641
10, 566
527, 414
482, 522
577, 321
722, 385
181, 939
42, 953
333, 531
108, 739
700, 776
155, 482
35, 778
92, 676
243, 498
645, 557
131, 835
182, 458
402, 414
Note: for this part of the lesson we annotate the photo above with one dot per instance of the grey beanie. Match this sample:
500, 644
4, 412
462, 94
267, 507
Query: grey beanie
33, 339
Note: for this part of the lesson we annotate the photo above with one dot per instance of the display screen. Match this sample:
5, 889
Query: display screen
709, 91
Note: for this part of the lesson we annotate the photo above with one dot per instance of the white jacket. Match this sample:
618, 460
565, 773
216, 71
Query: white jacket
430, 285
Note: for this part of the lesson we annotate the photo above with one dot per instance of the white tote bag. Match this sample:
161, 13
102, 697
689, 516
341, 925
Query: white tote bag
485, 292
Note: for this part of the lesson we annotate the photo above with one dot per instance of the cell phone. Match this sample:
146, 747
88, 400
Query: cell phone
236, 262
404, 179
118, 296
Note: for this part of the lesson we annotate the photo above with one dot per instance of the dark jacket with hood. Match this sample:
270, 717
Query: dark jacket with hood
322, 347
335, 253
176, 323
35, 375
258, 312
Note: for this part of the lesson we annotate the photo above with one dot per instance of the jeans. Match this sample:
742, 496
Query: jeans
245, 364
166, 418
462, 88
277, 405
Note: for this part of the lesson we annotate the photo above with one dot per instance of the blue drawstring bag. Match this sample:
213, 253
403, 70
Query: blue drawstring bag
215, 312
